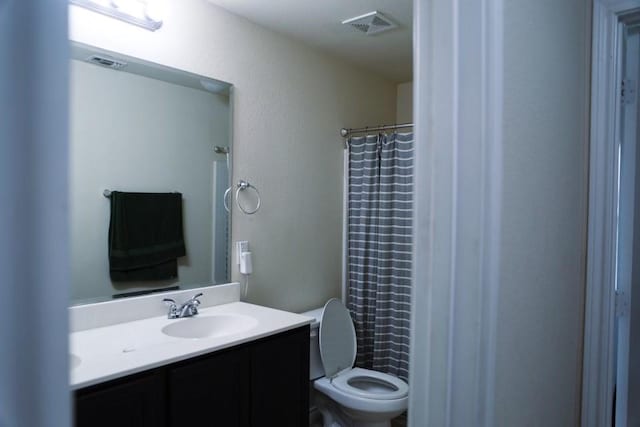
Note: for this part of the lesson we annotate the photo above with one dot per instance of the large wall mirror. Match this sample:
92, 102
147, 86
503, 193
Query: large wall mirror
141, 127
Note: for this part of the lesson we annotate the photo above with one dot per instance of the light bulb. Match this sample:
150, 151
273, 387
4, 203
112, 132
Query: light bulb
145, 13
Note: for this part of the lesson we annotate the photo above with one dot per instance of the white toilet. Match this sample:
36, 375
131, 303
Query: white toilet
348, 396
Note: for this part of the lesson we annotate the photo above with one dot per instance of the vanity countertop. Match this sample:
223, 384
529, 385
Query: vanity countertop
105, 353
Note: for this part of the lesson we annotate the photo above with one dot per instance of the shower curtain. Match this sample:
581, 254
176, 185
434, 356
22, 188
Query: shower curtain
380, 213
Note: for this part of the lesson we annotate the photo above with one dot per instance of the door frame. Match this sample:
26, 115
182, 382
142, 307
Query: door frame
34, 242
458, 87
627, 201
599, 332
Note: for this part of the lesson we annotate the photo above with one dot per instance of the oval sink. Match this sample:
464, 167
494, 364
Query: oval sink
215, 325
74, 361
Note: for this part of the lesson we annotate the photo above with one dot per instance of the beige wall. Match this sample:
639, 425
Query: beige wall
289, 103
544, 213
404, 103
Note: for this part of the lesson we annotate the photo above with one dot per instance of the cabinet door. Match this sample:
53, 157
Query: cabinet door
212, 391
280, 380
134, 402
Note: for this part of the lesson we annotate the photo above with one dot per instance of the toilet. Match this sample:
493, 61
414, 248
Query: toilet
348, 396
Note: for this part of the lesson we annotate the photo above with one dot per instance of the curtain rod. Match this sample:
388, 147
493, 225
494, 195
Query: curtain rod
346, 132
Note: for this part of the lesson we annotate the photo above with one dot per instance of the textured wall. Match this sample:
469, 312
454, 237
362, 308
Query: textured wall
544, 212
404, 105
289, 103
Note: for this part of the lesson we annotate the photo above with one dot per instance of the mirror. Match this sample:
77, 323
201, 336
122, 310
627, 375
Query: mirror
141, 127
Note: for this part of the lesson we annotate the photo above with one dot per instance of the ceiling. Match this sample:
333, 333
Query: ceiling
317, 23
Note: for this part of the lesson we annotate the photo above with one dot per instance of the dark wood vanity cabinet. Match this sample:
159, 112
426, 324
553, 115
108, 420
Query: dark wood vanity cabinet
261, 383
280, 381
211, 391
135, 401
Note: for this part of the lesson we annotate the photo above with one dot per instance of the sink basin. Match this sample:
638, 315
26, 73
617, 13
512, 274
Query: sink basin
215, 325
74, 361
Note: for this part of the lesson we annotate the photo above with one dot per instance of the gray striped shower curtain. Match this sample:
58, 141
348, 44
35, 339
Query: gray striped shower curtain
380, 213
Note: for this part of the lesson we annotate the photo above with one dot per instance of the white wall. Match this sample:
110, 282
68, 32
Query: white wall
543, 243
289, 103
134, 133
404, 103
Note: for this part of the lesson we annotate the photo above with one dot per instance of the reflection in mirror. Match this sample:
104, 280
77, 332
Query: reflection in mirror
144, 128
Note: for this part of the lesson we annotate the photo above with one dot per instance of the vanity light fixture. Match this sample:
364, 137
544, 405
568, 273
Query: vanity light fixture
143, 13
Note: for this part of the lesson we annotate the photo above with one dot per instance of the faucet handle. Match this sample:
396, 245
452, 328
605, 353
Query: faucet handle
195, 302
173, 308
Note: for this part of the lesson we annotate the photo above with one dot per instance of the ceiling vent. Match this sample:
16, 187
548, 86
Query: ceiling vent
371, 23
106, 61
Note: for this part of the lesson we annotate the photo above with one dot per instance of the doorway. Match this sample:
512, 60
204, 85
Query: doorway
611, 381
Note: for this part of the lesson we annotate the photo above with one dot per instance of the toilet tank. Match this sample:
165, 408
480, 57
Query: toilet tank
315, 363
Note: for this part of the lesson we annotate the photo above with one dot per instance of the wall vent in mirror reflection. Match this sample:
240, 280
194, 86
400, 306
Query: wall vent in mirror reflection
106, 61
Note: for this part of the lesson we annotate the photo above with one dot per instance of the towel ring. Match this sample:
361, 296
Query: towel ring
243, 185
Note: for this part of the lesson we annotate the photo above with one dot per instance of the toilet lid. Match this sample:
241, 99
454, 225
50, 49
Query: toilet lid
337, 338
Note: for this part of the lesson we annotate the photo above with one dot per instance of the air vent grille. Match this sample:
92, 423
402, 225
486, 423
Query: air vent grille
106, 61
377, 22
371, 23
361, 27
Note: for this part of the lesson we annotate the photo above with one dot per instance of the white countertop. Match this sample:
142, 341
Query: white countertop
122, 349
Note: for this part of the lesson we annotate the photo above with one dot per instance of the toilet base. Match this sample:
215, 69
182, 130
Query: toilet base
334, 415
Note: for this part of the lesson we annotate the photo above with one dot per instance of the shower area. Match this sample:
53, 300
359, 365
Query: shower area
378, 243
221, 179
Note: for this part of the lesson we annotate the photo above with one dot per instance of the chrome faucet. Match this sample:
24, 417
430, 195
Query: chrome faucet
188, 309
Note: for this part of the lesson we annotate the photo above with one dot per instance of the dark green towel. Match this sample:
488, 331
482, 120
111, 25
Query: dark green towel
145, 236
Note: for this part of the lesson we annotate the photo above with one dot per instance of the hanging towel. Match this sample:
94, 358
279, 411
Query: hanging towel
145, 236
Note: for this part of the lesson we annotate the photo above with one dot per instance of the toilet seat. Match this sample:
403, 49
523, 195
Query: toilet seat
370, 384
354, 402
